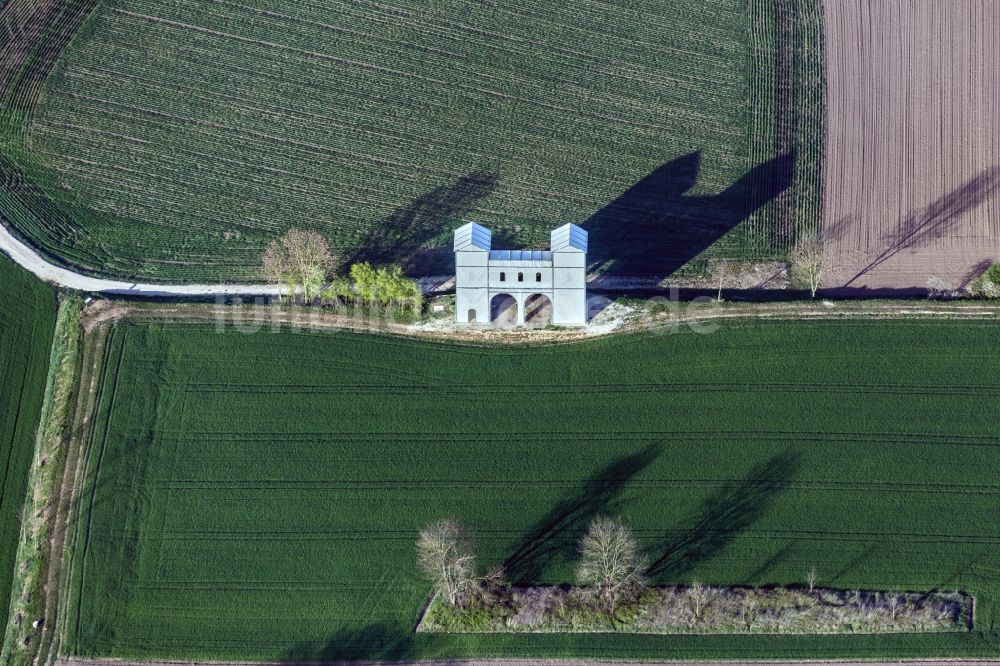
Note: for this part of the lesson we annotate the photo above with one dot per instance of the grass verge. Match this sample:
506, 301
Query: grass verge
27, 318
29, 615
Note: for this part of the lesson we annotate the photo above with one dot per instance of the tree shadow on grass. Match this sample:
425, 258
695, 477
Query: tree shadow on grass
373, 643
723, 516
654, 227
401, 237
554, 536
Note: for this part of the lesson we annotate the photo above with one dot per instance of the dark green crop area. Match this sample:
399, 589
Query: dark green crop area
258, 496
173, 140
27, 321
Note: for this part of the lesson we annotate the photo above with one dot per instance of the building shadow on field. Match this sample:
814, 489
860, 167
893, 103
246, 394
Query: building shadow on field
655, 227
722, 517
553, 538
401, 237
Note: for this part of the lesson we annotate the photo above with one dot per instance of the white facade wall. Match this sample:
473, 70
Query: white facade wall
560, 275
472, 301
569, 287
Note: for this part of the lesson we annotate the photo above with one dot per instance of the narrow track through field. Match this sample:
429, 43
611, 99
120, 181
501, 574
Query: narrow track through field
31, 261
73, 661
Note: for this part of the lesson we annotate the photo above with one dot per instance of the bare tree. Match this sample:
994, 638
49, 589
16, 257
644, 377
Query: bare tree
492, 588
894, 603
698, 595
808, 262
937, 287
748, 610
720, 268
444, 553
611, 562
811, 578
298, 259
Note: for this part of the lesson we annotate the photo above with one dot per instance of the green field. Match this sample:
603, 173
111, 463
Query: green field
258, 496
173, 139
27, 319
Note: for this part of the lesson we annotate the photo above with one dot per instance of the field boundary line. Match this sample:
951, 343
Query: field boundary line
74, 661
636, 320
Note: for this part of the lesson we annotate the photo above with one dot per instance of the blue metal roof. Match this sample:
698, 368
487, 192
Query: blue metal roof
569, 237
472, 236
521, 255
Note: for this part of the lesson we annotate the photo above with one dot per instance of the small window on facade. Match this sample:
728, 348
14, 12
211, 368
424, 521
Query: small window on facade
520, 277
538, 277
472, 316
503, 276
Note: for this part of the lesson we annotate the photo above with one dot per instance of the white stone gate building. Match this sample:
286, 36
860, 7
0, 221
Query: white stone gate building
487, 280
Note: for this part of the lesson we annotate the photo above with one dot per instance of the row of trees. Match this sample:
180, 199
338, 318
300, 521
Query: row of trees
302, 262
611, 565
611, 571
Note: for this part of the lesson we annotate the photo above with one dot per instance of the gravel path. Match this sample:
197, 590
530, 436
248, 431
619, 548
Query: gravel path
34, 263
912, 159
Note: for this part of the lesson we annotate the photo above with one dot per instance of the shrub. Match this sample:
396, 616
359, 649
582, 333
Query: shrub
986, 285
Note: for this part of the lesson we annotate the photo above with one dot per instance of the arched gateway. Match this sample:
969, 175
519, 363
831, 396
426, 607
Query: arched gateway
541, 285
537, 311
503, 310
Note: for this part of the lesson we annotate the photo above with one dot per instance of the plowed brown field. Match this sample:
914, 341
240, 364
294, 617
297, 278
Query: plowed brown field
912, 165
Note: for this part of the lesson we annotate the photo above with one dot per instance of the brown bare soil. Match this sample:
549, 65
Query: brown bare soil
912, 162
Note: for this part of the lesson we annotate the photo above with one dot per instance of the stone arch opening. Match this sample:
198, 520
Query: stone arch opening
472, 316
503, 310
537, 311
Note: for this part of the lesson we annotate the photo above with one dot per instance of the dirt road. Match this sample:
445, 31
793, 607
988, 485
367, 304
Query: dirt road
912, 160
34, 263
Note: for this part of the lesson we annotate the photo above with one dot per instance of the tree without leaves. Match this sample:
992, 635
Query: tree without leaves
811, 578
300, 258
720, 271
611, 562
894, 603
492, 589
808, 262
698, 595
444, 553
